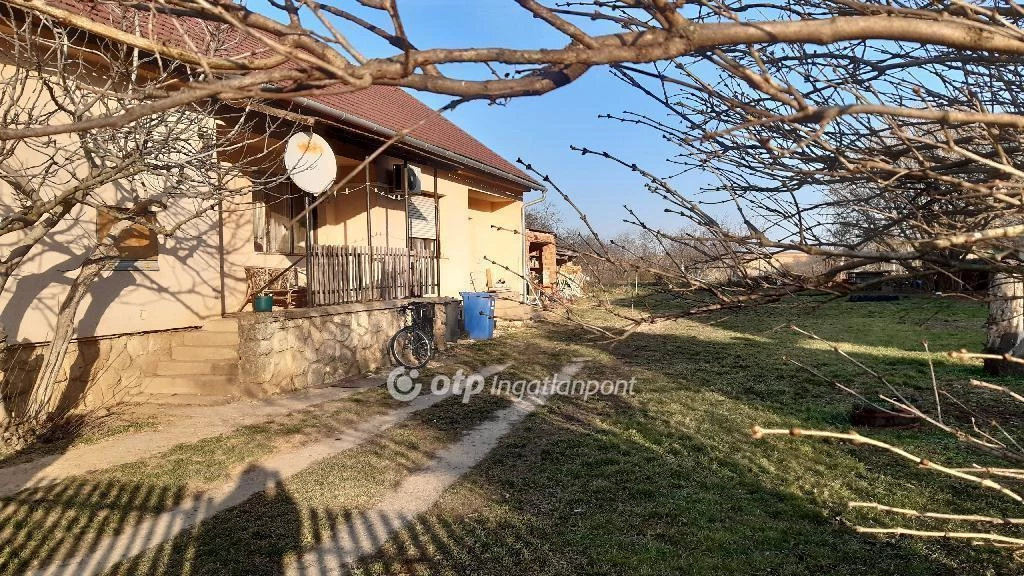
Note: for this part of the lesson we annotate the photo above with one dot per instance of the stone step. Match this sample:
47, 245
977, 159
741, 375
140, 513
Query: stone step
185, 368
221, 325
221, 385
183, 399
204, 338
197, 353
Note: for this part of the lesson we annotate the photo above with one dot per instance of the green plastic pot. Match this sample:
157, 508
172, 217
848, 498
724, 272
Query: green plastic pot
262, 303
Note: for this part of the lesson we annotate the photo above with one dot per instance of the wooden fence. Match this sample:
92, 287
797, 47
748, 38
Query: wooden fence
340, 274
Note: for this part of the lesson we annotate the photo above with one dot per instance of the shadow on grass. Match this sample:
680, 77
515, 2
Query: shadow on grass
664, 484
743, 355
259, 527
53, 523
566, 495
606, 487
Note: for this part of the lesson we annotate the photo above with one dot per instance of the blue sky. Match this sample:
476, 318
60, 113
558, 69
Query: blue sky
540, 129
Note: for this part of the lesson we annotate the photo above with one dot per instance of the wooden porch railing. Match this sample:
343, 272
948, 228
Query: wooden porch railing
341, 274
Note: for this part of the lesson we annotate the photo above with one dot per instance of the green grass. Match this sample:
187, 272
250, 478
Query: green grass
259, 536
668, 481
62, 520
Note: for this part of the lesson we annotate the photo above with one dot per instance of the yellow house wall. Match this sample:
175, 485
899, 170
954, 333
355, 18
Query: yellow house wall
180, 293
183, 291
201, 271
467, 238
466, 214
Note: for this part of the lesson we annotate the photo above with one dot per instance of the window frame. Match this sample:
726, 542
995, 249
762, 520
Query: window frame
105, 219
297, 201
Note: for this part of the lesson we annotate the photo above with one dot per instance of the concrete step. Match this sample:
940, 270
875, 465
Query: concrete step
183, 399
184, 368
197, 353
221, 385
516, 312
221, 325
500, 303
204, 338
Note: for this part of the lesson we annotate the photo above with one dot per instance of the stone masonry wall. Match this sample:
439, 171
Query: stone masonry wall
313, 347
98, 371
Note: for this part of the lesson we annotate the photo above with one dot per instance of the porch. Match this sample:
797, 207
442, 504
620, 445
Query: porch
338, 274
368, 242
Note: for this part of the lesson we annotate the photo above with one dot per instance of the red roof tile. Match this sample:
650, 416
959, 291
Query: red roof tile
386, 106
395, 109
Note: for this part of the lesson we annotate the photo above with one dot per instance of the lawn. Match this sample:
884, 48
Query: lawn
670, 481
667, 481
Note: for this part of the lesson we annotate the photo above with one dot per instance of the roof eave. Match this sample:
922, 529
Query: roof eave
385, 132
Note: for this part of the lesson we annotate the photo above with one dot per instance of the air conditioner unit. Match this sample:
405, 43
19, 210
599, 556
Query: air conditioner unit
414, 175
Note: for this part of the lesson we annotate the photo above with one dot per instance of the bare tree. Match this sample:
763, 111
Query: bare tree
958, 412
304, 46
863, 154
544, 216
150, 177
860, 133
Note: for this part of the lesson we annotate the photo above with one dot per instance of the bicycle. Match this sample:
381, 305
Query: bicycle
412, 346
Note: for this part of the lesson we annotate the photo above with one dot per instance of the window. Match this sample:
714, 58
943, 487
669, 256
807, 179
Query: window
274, 208
137, 246
422, 217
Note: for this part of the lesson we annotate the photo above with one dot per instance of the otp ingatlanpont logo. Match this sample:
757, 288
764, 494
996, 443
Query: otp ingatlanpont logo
402, 385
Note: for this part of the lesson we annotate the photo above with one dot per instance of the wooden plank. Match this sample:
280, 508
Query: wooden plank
325, 275
346, 272
340, 271
373, 276
317, 274
339, 276
311, 277
357, 273
366, 272
332, 281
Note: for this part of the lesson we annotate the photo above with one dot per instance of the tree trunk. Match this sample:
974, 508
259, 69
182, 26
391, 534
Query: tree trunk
4, 367
44, 394
1005, 326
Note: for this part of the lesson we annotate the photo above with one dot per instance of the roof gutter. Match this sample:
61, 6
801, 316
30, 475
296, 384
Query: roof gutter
389, 133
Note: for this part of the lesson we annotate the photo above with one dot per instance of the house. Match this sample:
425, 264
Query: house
436, 214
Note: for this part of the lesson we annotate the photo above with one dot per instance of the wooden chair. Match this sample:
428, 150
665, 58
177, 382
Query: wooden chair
285, 288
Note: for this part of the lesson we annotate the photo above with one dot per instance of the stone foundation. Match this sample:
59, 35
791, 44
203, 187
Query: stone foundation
314, 347
97, 371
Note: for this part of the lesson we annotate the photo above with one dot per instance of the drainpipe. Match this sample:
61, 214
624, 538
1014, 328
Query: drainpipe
526, 243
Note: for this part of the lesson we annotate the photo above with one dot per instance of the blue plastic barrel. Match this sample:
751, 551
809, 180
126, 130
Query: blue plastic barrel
478, 314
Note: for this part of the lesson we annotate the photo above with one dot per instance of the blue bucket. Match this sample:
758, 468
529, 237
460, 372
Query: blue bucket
478, 314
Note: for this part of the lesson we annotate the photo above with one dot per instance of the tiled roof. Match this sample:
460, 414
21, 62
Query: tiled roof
386, 106
396, 109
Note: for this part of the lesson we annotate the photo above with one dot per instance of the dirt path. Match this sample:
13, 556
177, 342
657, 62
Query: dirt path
186, 424
366, 531
257, 478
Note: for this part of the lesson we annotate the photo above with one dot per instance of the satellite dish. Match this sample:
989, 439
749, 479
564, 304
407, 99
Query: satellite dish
310, 162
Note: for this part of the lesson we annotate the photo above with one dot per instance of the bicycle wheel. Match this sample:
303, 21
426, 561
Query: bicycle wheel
411, 348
